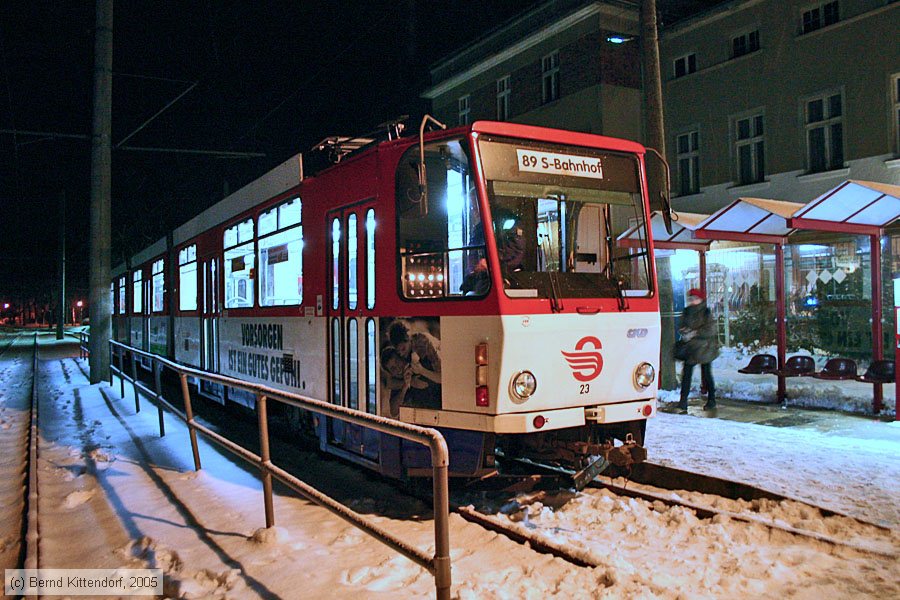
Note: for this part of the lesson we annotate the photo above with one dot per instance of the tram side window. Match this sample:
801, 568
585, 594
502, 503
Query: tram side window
281, 255
239, 265
440, 241
122, 295
112, 298
159, 285
187, 278
137, 292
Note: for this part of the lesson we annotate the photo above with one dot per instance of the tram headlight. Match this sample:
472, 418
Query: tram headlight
644, 375
523, 385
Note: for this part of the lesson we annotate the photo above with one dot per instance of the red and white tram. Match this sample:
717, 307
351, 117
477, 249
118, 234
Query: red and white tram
467, 279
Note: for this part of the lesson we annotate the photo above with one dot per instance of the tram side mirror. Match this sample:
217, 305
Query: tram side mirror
423, 179
665, 204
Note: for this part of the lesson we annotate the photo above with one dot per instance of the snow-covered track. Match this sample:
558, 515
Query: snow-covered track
30, 549
708, 510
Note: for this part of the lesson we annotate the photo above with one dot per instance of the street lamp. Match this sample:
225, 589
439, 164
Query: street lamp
78, 304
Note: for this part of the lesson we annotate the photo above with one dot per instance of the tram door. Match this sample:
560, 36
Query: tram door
352, 328
210, 313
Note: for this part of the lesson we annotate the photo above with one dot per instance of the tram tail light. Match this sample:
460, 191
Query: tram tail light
482, 398
481, 354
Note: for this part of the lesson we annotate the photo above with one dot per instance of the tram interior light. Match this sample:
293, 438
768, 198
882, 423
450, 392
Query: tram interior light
508, 224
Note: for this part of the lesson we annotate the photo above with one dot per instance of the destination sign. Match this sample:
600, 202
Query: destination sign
534, 161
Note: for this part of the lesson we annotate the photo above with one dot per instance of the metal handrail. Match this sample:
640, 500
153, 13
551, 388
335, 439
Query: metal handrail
438, 564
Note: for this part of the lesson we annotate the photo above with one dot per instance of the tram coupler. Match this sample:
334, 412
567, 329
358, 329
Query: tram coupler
583, 477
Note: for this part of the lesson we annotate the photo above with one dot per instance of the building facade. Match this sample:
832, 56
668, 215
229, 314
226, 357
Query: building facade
568, 63
781, 99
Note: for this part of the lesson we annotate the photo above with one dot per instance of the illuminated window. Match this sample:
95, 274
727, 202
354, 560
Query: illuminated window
239, 265
441, 245
370, 258
550, 77
685, 65
688, 148
335, 263
122, 295
824, 132
353, 262
137, 292
187, 278
281, 255
159, 286
371, 358
112, 298
503, 98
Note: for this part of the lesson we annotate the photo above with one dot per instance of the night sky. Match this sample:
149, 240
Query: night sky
272, 78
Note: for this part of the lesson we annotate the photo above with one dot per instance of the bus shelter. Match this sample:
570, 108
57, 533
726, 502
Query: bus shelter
854, 208
765, 222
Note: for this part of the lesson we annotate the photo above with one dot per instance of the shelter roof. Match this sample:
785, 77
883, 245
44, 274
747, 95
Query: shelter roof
750, 220
682, 236
860, 207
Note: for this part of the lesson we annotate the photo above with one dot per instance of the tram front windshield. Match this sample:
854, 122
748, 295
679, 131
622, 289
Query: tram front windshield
556, 214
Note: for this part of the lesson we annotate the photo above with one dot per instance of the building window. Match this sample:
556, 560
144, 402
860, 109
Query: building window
137, 292
550, 77
824, 133
187, 278
239, 263
688, 145
819, 16
122, 295
159, 285
685, 65
281, 255
745, 43
463, 109
503, 98
895, 96
749, 149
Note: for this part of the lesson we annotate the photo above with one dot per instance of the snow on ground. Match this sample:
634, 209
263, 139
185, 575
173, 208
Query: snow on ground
808, 392
115, 494
15, 397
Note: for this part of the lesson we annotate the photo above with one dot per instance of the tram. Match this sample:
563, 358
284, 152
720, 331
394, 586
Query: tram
467, 279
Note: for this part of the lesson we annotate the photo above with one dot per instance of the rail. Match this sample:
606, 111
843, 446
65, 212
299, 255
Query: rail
438, 565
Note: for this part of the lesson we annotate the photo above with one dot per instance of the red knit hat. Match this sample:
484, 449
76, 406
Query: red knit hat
697, 293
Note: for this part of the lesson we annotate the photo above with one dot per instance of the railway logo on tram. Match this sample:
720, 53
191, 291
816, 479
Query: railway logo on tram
585, 364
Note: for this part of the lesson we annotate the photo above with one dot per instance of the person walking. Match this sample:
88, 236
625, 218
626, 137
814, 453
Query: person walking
699, 334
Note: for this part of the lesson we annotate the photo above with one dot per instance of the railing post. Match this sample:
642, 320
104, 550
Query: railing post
186, 395
442, 578
111, 355
122, 373
134, 383
265, 459
157, 383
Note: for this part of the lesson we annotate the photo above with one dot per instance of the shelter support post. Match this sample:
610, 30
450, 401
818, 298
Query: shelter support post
877, 333
781, 334
702, 256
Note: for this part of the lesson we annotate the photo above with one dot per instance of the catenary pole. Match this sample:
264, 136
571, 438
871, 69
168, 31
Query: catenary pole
656, 138
100, 309
61, 313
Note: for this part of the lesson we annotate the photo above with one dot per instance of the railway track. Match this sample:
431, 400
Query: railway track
662, 487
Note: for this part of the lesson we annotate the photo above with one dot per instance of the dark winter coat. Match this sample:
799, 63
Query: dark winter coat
698, 327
